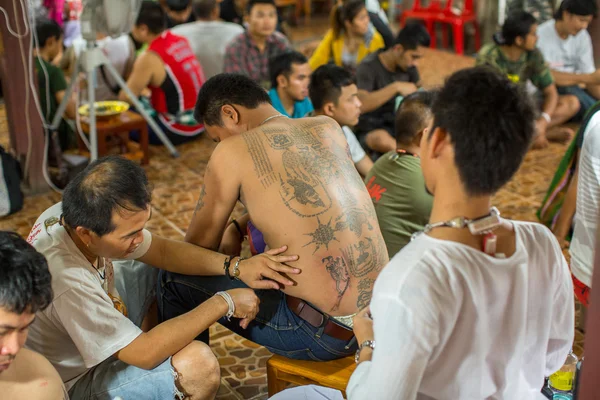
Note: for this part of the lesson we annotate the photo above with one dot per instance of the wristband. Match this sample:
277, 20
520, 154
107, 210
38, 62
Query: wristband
238, 227
236, 268
546, 116
226, 265
230, 304
366, 343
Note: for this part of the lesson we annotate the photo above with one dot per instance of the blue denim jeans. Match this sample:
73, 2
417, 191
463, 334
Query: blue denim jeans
586, 100
275, 327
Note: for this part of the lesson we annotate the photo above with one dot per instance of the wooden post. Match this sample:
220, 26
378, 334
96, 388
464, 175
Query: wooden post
595, 33
589, 389
22, 118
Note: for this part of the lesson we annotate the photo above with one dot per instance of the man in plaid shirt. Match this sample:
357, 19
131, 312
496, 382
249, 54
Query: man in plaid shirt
249, 53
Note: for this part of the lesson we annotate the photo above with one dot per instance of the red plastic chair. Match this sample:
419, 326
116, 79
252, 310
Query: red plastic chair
428, 14
457, 19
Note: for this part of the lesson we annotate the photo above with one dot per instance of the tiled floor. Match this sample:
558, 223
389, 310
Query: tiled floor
176, 187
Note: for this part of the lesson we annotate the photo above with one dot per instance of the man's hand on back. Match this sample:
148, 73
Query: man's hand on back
266, 271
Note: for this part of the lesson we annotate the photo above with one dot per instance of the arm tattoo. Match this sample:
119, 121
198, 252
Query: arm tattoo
262, 164
200, 203
339, 272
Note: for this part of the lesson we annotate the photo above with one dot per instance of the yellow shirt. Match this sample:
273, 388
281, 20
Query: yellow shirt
332, 48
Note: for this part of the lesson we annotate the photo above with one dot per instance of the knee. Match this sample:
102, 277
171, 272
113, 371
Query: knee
572, 103
197, 363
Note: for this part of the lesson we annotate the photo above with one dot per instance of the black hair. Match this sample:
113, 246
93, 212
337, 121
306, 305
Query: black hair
108, 184
177, 5
517, 24
252, 3
413, 115
204, 8
578, 7
25, 281
412, 36
153, 16
326, 84
282, 64
346, 11
45, 29
225, 89
490, 121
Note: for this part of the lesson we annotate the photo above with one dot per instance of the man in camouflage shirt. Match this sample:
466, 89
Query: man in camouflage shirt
515, 54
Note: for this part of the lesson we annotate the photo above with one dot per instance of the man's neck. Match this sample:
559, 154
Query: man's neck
513, 53
92, 258
561, 29
259, 40
42, 54
410, 148
286, 101
259, 115
152, 38
388, 61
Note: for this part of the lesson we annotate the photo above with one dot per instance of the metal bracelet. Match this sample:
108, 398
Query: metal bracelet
366, 343
230, 304
236, 268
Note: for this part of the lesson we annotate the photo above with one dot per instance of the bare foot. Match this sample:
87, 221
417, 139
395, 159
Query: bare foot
560, 134
539, 142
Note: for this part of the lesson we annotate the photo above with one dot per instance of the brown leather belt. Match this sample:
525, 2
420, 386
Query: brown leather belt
316, 318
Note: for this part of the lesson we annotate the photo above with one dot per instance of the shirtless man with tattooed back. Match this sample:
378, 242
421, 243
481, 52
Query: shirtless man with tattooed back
301, 190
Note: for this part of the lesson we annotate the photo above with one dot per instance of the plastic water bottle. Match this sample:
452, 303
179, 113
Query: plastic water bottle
562, 381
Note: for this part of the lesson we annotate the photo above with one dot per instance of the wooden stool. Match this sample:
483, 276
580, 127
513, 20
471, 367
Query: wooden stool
331, 374
118, 128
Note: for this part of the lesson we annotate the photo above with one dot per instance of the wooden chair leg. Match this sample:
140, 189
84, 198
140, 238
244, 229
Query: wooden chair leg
274, 385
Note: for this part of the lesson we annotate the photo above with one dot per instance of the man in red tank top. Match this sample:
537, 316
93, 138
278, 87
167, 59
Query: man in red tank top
171, 71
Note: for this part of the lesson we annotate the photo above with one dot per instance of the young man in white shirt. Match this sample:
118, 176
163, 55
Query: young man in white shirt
567, 47
588, 208
333, 92
462, 315
25, 288
100, 331
208, 35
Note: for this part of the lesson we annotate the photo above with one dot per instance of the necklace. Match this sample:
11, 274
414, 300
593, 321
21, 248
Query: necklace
402, 152
478, 226
271, 117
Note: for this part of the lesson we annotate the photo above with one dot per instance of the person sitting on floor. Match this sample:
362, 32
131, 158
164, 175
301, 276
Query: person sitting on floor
52, 84
383, 78
249, 53
298, 184
169, 68
100, 331
25, 288
542, 10
396, 182
515, 55
470, 314
208, 36
290, 76
350, 38
334, 93
566, 45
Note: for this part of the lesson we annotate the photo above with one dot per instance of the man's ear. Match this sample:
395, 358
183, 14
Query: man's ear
281, 81
329, 109
231, 113
84, 234
437, 142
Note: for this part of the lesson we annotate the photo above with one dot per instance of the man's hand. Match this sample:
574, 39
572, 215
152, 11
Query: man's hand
231, 243
405, 88
266, 271
246, 305
363, 325
540, 141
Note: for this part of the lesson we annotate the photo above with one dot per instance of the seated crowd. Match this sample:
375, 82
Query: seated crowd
362, 194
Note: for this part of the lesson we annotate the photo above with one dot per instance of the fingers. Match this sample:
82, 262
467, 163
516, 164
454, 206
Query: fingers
286, 269
274, 252
264, 284
283, 259
365, 312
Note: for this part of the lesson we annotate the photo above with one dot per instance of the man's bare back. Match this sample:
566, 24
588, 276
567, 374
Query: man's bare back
302, 190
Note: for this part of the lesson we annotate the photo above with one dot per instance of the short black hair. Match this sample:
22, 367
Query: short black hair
25, 281
578, 7
413, 114
326, 84
252, 3
225, 89
153, 16
177, 5
108, 184
517, 24
412, 36
490, 121
204, 8
282, 64
45, 29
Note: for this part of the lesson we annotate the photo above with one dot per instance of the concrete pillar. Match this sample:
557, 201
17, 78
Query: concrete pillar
22, 118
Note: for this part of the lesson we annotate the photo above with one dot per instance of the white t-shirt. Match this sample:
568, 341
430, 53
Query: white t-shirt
120, 53
82, 327
209, 40
452, 323
356, 150
574, 55
588, 204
